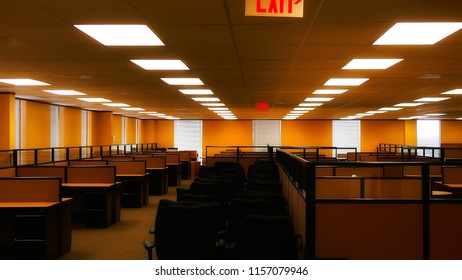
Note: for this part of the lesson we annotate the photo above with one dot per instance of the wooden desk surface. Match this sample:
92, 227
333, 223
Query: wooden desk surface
88, 185
27, 204
131, 175
156, 168
453, 185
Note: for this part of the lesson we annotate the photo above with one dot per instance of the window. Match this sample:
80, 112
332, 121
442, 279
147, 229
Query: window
428, 135
188, 135
267, 132
84, 133
54, 126
346, 134
18, 121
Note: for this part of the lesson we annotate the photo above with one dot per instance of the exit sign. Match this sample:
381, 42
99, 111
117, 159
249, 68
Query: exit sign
274, 8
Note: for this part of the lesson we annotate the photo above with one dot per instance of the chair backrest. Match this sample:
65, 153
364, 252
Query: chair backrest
186, 233
266, 238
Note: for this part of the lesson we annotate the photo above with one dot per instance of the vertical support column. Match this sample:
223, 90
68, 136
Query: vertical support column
7, 121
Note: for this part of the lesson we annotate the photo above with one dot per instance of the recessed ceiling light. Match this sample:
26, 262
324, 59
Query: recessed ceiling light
160, 64
205, 99
435, 114
218, 109
330, 91
171, 118
418, 33
121, 34
349, 118
303, 109
65, 92
183, 81
390, 109
408, 104
431, 99
213, 104
148, 112
196, 91
454, 91
376, 112
230, 118
224, 114
366, 64
96, 99
346, 81
310, 104
116, 104
364, 114
132, 109
318, 99
23, 82
156, 114
459, 119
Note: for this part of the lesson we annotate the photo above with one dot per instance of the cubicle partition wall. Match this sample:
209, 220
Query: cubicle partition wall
371, 215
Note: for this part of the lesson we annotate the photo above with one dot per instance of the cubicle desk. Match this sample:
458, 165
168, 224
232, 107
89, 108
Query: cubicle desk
95, 204
156, 167
174, 169
135, 189
185, 161
29, 230
158, 180
132, 174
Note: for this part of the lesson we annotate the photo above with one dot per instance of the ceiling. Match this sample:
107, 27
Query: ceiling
244, 60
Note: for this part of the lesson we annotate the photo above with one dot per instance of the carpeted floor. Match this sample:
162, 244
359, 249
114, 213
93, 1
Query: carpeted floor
120, 241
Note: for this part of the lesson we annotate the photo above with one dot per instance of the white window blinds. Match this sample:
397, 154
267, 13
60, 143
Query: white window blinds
346, 134
428, 135
267, 132
188, 135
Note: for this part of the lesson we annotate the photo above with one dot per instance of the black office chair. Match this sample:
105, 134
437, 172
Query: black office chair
266, 238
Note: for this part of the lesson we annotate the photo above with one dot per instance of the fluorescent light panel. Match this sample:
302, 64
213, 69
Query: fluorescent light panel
132, 109
218, 109
160, 64
418, 33
310, 104
431, 99
330, 91
346, 81
116, 104
408, 104
65, 92
121, 34
390, 109
213, 104
318, 99
23, 82
196, 91
183, 81
454, 91
95, 99
205, 99
372, 64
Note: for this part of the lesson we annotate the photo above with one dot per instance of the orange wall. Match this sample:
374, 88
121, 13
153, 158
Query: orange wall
101, 128
36, 125
165, 131
147, 131
410, 136
117, 129
451, 131
71, 127
374, 132
306, 133
130, 130
224, 133
7, 121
